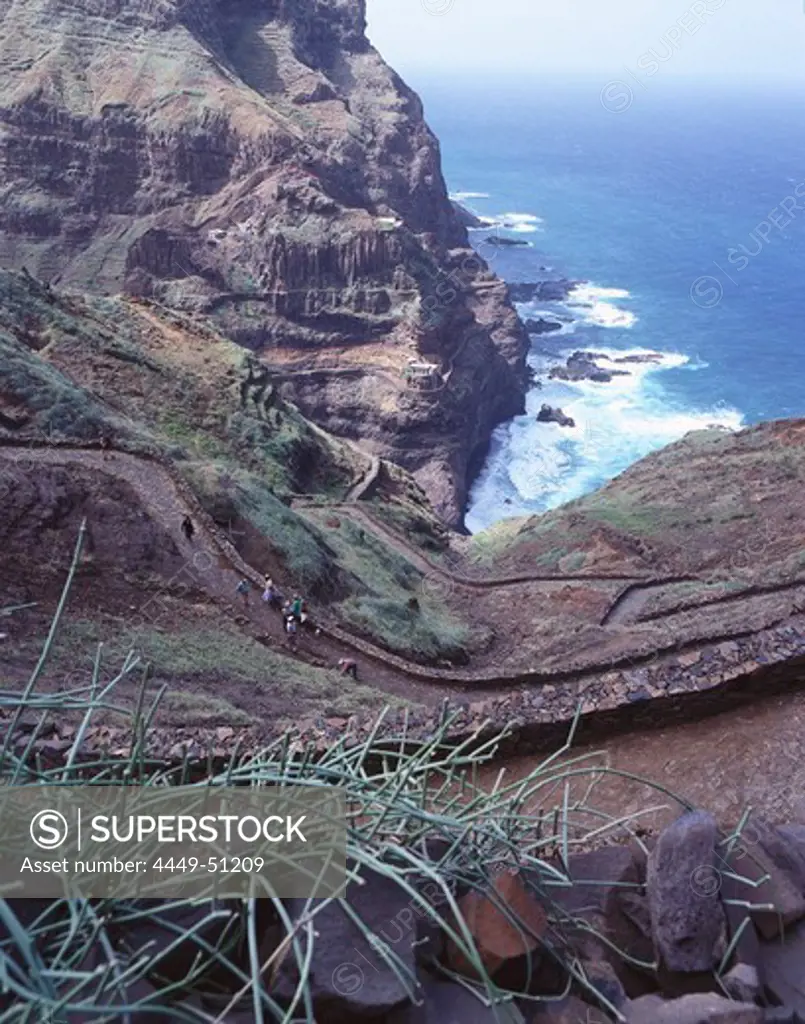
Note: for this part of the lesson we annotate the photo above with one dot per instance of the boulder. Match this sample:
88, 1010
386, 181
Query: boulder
607, 897
706, 1008
742, 983
442, 1002
349, 974
507, 941
549, 414
773, 864
783, 961
783, 844
741, 928
153, 926
687, 920
571, 1010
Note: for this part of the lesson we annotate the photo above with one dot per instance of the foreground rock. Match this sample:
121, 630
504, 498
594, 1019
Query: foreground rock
600, 915
774, 860
506, 925
350, 975
686, 915
783, 967
693, 1009
570, 1010
445, 1003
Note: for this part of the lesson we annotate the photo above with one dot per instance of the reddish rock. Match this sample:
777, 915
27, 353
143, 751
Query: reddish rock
500, 936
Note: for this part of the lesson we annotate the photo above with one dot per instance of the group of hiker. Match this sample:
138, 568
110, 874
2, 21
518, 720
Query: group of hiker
294, 610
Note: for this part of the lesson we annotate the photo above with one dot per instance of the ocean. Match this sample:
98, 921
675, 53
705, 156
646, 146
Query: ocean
684, 216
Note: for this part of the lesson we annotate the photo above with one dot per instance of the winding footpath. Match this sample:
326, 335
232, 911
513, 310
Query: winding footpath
607, 676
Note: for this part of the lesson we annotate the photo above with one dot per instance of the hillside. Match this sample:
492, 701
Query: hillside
681, 581
243, 337
270, 140
257, 163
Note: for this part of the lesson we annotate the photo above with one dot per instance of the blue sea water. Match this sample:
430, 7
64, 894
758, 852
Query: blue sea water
676, 213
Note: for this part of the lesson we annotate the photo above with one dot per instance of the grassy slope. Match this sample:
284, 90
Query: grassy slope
713, 504
213, 673
158, 382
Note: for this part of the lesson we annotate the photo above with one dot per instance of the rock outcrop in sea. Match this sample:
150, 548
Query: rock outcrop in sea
551, 414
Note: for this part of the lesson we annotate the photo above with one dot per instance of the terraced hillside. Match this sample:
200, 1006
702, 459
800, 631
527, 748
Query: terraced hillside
644, 596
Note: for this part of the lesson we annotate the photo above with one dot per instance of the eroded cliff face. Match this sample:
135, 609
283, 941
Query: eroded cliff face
256, 162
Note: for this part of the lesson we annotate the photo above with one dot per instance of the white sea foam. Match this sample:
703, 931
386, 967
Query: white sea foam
536, 466
598, 307
518, 223
521, 223
460, 197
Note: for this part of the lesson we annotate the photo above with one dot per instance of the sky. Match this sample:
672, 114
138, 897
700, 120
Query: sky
735, 39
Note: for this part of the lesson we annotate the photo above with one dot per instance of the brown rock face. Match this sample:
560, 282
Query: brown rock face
501, 935
255, 161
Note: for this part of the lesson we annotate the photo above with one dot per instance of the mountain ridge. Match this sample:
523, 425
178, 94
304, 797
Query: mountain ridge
259, 164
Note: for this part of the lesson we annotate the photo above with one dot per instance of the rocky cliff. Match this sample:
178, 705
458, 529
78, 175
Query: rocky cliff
256, 162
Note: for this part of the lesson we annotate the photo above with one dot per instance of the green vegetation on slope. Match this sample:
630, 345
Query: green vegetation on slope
215, 675
391, 600
161, 383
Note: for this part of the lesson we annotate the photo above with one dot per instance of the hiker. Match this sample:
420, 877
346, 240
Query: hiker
297, 607
348, 667
187, 527
290, 630
243, 588
269, 593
